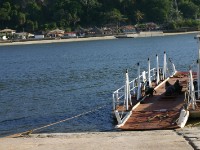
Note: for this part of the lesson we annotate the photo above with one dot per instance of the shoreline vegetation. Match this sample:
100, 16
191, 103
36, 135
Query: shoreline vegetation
47, 41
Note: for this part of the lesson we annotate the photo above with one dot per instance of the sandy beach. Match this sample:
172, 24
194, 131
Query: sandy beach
81, 39
180, 33
59, 40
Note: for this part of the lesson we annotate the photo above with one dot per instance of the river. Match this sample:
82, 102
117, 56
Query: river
45, 83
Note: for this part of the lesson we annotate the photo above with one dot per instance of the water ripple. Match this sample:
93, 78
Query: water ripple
41, 84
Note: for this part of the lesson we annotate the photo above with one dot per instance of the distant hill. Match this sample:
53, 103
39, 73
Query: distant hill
42, 15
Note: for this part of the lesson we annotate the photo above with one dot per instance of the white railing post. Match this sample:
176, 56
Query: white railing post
139, 88
192, 90
165, 67
198, 77
144, 76
118, 117
169, 70
117, 96
134, 87
149, 72
144, 79
153, 75
157, 63
114, 101
198, 40
127, 91
174, 69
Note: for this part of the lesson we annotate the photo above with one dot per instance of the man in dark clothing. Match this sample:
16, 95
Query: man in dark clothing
177, 87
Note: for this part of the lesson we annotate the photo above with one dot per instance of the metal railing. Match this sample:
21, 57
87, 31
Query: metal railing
192, 95
123, 98
118, 95
119, 98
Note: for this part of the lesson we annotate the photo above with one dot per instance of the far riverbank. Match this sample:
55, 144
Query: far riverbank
78, 39
58, 40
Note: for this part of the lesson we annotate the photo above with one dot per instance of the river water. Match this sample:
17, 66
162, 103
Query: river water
45, 83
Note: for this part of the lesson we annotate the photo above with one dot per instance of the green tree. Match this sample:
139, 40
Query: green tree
34, 11
114, 17
69, 14
21, 18
30, 26
156, 10
52, 25
174, 13
5, 14
139, 16
89, 7
189, 10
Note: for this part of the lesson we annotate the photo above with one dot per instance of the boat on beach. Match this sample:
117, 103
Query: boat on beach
147, 103
132, 35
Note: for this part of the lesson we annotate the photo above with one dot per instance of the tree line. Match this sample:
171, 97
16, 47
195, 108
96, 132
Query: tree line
42, 15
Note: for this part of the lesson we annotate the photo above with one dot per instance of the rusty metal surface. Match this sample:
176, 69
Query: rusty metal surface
148, 120
159, 111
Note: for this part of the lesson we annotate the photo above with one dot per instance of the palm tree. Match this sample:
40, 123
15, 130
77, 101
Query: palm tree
139, 16
174, 14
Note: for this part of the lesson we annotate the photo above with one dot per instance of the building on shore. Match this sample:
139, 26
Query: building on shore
56, 33
6, 34
7, 31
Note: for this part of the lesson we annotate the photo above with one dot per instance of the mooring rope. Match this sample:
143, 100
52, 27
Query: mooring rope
193, 124
61, 121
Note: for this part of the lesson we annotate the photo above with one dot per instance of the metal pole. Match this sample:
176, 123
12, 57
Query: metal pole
144, 76
158, 77
113, 101
164, 66
149, 72
126, 89
139, 88
174, 68
198, 79
192, 90
198, 40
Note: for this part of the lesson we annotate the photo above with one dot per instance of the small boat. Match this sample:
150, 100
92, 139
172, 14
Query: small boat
132, 35
147, 102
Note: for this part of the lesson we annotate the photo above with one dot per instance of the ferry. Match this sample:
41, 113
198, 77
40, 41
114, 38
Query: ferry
159, 98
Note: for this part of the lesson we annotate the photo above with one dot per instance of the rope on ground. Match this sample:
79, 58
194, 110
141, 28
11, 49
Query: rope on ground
161, 117
193, 124
61, 121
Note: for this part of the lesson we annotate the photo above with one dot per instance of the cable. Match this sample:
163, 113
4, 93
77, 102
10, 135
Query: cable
61, 121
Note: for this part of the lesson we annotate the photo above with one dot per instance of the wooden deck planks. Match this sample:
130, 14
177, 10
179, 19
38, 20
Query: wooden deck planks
159, 111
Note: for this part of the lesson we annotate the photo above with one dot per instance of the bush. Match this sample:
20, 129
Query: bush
171, 26
188, 23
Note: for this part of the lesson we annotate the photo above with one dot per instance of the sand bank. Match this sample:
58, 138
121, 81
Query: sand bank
59, 40
136, 140
180, 33
83, 39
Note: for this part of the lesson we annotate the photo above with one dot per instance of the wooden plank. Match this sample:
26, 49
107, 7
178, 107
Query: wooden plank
159, 111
